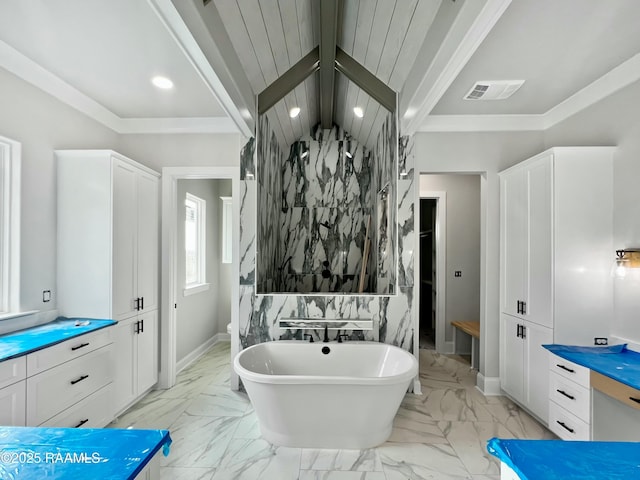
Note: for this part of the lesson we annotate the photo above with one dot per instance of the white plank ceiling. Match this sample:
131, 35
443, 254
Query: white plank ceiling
270, 36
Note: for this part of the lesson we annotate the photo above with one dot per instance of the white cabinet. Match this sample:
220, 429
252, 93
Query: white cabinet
108, 234
525, 373
556, 252
569, 399
137, 360
69, 384
108, 251
527, 253
12, 405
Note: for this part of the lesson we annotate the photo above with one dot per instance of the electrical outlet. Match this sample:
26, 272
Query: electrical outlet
46, 296
457, 273
600, 341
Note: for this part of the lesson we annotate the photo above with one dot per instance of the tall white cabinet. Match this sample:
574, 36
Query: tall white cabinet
556, 252
108, 250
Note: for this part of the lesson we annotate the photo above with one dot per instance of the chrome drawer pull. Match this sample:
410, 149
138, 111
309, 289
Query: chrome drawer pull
563, 425
637, 400
78, 347
565, 368
82, 422
571, 396
83, 377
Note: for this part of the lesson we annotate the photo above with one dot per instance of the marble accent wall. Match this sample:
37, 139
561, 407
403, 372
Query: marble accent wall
384, 161
326, 203
393, 316
269, 159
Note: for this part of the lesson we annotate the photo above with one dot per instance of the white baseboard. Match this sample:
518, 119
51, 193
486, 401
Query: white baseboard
489, 386
201, 350
448, 348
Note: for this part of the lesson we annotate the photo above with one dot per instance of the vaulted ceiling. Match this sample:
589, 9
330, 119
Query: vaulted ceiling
221, 54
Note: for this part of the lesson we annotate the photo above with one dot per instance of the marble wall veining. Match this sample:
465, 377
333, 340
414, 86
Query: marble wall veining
269, 158
326, 203
393, 316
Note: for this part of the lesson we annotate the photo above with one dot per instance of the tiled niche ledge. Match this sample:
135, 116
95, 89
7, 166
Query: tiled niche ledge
319, 323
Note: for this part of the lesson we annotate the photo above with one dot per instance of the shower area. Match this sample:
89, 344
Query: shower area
326, 212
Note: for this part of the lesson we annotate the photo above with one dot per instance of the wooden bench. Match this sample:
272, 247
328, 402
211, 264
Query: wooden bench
472, 329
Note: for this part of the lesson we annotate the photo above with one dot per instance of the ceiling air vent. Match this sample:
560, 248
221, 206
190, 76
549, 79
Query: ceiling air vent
493, 89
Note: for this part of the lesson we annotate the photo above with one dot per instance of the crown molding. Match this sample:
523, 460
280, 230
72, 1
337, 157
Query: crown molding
471, 26
622, 76
482, 123
31, 72
178, 125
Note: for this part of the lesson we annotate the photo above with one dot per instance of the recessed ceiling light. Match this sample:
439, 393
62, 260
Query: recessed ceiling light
294, 112
162, 82
358, 112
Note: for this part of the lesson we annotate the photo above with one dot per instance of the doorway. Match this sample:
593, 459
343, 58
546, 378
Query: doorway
428, 270
169, 261
450, 267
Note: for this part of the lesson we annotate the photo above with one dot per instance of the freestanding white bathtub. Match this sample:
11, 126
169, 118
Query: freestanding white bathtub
325, 395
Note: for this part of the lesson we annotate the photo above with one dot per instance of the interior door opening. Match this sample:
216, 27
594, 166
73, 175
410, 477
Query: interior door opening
428, 269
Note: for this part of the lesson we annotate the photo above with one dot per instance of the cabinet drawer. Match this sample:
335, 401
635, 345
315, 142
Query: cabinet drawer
55, 390
574, 372
628, 395
566, 425
68, 350
94, 411
571, 396
12, 371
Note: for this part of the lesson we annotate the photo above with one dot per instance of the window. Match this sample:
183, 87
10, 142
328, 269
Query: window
10, 152
227, 229
195, 244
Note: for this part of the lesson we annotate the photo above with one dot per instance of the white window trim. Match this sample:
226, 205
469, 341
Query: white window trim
202, 245
10, 228
227, 229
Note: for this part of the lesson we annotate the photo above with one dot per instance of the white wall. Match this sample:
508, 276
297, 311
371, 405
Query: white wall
487, 154
175, 150
198, 317
462, 245
42, 124
615, 121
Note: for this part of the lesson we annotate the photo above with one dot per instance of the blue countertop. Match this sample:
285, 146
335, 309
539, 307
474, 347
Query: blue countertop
558, 459
29, 340
63, 453
614, 361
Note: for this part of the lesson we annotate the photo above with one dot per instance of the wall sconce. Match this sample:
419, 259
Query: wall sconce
627, 258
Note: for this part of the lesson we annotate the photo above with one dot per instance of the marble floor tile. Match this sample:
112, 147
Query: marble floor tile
219, 401
257, 459
420, 461
248, 426
414, 426
353, 460
469, 440
340, 475
440, 434
448, 404
186, 473
152, 412
199, 441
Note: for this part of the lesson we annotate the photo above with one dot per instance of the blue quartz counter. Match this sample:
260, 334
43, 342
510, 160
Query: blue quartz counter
28, 453
614, 361
29, 340
562, 460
